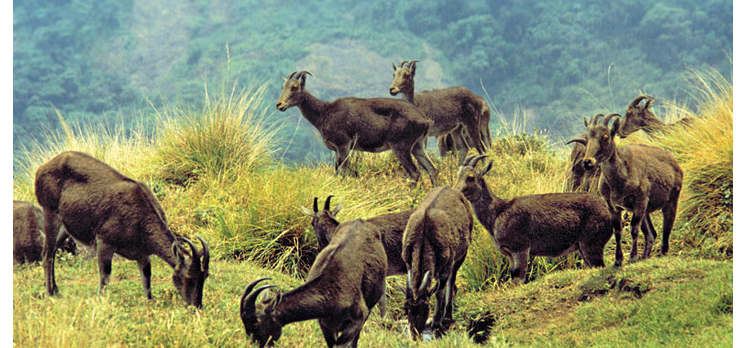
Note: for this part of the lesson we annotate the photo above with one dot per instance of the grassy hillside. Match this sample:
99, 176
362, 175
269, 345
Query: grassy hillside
215, 176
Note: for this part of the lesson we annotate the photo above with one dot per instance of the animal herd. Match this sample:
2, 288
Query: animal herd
86, 199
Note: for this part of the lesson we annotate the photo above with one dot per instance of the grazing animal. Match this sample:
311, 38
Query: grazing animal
346, 280
28, 237
435, 245
371, 125
101, 207
453, 110
391, 227
637, 178
552, 224
639, 116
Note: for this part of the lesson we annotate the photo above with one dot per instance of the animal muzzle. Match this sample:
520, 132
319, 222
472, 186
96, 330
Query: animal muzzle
281, 106
589, 163
393, 90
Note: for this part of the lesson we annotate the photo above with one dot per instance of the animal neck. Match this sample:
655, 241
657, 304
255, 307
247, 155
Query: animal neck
312, 109
614, 169
303, 303
487, 207
653, 125
409, 96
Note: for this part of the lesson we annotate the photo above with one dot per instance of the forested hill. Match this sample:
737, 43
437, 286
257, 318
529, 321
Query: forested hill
110, 61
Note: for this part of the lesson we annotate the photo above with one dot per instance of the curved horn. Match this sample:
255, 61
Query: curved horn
327, 203
649, 103
195, 257
609, 118
205, 256
637, 101
402, 64
409, 284
249, 288
292, 75
251, 298
577, 140
595, 118
314, 206
477, 158
412, 64
466, 161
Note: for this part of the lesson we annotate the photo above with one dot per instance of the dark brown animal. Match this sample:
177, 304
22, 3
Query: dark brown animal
101, 207
453, 110
435, 245
391, 228
552, 224
370, 125
580, 178
28, 237
639, 116
637, 178
346, 280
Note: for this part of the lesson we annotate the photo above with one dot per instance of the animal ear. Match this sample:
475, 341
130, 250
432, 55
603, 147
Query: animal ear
307, 211
394, 66
649, 103
615, 127
337, 209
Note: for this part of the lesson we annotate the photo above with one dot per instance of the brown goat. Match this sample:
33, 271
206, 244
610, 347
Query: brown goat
435, 245
552, 224
639, 116
346, 280
28, 237
449, 108
637, 178
580, 178
391, 227
371, 125
101, 207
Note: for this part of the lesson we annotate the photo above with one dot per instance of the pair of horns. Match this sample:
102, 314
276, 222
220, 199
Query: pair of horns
639, 99
197, 259
324, 207
299, 75
471, 161
422, 285
409, 65
249, 297
594, 122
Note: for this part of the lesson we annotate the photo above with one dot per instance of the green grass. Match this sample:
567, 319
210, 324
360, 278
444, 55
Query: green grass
215, 175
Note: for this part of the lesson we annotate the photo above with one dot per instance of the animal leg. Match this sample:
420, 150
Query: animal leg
52, 226
329, 334
648, 228
105, 261
669, 216
403, 153
381, 304
419, 153
145, 268
459, 143
441, 298
342, 158
635, 232
473, 130
592, 255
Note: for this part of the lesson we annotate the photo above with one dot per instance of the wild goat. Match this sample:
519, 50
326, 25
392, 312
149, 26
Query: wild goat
346, 280
371, 125
28, 237
391, 227
641, 117
435, 245
448, 108
637, 178
552, 224
101, 207
582, 179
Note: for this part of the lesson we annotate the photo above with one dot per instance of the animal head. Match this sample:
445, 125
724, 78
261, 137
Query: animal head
599, 140
323, 221
191, 270
259, 318
403, 77
637, 116
293, 88
417, 304
469, 180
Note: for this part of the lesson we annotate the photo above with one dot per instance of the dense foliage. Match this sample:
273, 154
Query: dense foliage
110, 61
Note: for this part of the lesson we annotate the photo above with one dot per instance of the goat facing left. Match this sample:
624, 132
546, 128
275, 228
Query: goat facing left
345, 282
101, 207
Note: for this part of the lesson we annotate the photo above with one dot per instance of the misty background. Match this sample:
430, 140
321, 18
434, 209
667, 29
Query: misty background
545, 64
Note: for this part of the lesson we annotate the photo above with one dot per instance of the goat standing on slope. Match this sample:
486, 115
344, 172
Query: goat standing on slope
391, 227
100, 206
371, 125
346, 280
435, 245
637, 178
452, 110
552, 224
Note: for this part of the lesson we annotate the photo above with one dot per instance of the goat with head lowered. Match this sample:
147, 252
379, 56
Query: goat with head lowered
101, 207
637, 178
455, 111
370, 125
345, 282
435, 244
28, 236
552, 224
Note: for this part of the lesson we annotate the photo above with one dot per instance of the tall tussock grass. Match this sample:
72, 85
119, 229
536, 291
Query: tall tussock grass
705, 153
